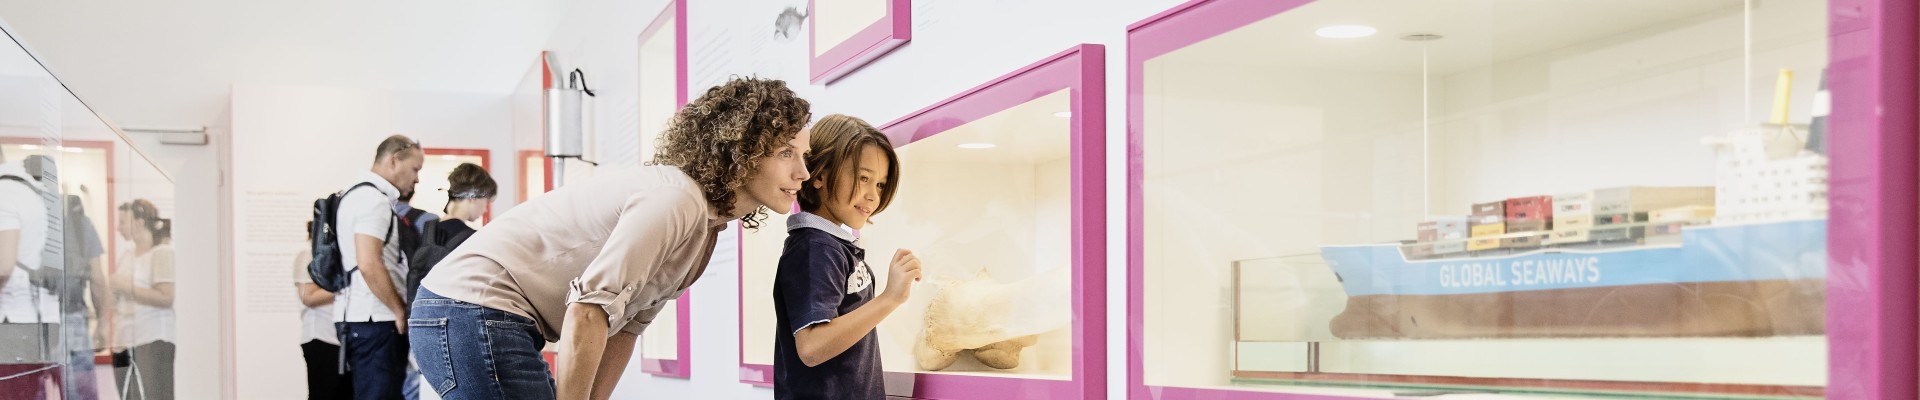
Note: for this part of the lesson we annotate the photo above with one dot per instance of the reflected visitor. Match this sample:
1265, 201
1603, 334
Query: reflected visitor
143, 282
85, 277
29, 308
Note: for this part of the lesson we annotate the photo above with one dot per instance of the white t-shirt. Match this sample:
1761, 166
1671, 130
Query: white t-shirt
142, 323
22, 209
368, 212
316, 323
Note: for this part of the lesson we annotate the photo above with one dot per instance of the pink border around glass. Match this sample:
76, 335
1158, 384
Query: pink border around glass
870, 43
682, 366
1871, 310
1082, 71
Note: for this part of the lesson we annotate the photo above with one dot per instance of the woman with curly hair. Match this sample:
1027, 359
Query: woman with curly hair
589, 265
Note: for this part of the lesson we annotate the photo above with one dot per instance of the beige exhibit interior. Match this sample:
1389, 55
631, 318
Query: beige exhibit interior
1268, 142
835, 21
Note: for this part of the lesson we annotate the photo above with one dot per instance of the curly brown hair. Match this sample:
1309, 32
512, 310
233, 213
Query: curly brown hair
720, 138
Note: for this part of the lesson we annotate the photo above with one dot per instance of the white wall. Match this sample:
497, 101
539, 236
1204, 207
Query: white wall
291, 145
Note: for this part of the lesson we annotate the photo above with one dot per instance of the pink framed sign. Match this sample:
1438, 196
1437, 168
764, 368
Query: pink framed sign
1859, 331
847, 34
662, 91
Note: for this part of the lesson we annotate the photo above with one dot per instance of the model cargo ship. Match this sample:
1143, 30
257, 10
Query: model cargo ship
1745, 257
1612, 262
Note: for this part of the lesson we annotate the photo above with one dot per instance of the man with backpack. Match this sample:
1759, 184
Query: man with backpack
370, 309
28, 304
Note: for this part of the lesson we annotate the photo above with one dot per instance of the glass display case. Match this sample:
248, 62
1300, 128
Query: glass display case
1001, 196
1498, 198
91, 217
847, 34
662, 90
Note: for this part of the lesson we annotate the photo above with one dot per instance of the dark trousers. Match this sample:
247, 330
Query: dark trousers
324, 381
376, 359
145, 372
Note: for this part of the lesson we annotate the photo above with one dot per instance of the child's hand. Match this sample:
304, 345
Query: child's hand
900, 277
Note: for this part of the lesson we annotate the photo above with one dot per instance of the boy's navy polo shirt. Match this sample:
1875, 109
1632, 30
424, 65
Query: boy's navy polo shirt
822, 276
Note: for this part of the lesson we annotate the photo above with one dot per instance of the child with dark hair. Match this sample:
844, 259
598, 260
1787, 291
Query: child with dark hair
824, 303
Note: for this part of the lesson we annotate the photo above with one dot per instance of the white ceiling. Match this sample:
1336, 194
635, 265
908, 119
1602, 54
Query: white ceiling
1476, 32
172, 63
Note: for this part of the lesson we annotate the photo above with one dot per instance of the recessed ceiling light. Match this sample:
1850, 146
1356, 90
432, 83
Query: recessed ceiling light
976, 145
29, 147
1064, 114
1345, 31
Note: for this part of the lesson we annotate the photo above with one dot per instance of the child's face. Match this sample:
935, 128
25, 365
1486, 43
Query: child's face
856, 190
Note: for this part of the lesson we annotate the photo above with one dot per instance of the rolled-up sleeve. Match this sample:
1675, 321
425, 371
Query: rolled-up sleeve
642, 320
649, 226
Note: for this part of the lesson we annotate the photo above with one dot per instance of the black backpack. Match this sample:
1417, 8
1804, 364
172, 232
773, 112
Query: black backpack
328, 268
432, 249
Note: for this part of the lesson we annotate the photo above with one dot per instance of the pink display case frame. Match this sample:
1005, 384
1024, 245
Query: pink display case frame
1082, 71
682, 364
869, 44
1871, 284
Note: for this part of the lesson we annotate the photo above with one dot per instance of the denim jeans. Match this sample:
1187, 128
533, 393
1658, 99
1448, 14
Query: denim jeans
470, 352
376, 359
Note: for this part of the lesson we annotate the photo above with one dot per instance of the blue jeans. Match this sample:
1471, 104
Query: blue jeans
470, 352
376, 358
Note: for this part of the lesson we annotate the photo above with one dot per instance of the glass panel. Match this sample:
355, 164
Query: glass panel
79, 283
145, 329
1523, 197
987, 208
40, 328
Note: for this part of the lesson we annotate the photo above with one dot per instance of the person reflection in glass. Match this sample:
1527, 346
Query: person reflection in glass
28, 302
144, 343
85, 276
